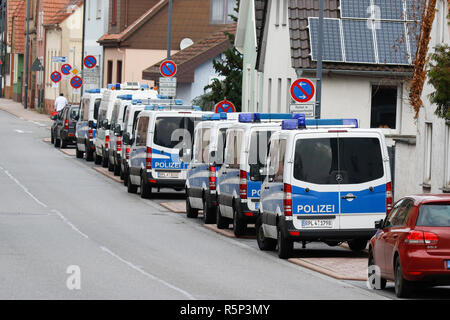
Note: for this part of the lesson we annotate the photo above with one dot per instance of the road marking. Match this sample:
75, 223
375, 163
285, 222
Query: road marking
70, 224
21, 131
149, 275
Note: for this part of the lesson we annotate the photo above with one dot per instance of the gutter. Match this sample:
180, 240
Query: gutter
397, 74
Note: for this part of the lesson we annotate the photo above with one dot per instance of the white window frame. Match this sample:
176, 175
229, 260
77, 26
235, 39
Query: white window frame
428, 153
225, 18
98, 10
398, 112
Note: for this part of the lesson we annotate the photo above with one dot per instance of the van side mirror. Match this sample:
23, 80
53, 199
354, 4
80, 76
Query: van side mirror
91, 124
126, 138
105, 124
117, 129
379, 224
54, 117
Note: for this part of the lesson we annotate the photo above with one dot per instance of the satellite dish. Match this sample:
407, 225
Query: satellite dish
186, 42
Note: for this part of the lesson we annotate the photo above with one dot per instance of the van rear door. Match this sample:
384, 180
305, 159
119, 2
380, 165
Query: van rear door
363, 175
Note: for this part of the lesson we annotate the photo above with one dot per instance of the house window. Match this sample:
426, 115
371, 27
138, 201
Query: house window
119, 72
279, 95
428, 151
288, 93
221, 11
447, 157
384, 107
269, 95
109, 72
99, 9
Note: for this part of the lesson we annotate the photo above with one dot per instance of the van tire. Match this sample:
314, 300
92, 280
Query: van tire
125, 179
110, 165
146, 189
357, 245
264, 244
63, 144
89, 154
221, 222
52, 138
403, 287
190, 212
104, 160
239, 225
117, 171
79, 154
209, 213
97, 158
130, 187
57, 143
284, 246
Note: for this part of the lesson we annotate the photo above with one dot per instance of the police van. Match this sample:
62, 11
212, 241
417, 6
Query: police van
104, 130
207, 159
161, 148
239, 179
87, 123
326, 180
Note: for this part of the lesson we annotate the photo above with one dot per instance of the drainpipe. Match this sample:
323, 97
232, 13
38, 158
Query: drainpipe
169, 31
319, 62
27, 53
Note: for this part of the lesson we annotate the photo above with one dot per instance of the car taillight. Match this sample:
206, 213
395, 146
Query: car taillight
287, 200
91, 134
127, 153
388, 197
421, 237
106, 141
66, 125
148, 159
243, 184
212, 178
118, 144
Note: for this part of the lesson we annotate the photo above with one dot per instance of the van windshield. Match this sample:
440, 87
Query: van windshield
257, 155
434, 215
338, 160
96, 107
171, 131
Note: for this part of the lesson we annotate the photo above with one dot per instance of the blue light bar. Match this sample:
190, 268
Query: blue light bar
150, 108
110, 86
214, 116
246, 117
291, 124
349, 123
98, 90
179, 102
273, 116
144, 86
162, 97
117, 86
301, 120
125, 97
197, 108
136, 101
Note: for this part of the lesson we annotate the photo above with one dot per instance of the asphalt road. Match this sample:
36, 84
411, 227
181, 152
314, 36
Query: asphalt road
56, 212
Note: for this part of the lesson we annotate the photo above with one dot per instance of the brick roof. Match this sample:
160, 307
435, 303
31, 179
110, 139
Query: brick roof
299, 11
191, 57
19, 27
117, 37
56, 11
11, 9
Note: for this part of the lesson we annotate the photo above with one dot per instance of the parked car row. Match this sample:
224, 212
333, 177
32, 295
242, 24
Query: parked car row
295, 179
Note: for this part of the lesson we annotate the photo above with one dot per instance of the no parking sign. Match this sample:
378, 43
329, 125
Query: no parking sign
225, 106
302, 90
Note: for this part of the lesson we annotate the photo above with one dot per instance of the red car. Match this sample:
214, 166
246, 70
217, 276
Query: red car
412, 245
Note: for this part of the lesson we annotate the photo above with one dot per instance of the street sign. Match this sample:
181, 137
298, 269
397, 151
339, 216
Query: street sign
65, 69
75, 71
168, 68
90, 62
225, 106
302, 90
55, 76
168, 87
57, 59
76, 82
308, 109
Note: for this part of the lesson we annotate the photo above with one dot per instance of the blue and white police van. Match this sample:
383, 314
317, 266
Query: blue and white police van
207, 159
86, 125
162, 148
104, 130
326, 180
239, 179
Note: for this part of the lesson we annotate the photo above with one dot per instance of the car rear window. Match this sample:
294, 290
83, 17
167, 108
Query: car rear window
168, 133
434, 215
338, 160
73, 113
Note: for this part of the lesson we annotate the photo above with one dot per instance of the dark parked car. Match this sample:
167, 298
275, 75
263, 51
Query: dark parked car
412, 245
63, 128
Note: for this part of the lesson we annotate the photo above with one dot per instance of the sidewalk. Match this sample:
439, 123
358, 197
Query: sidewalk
17, 109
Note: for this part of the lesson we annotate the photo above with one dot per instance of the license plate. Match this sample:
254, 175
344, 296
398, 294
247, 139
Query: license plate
168, 174
317, 223
448, 264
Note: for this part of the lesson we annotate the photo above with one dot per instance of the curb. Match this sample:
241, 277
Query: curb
309, 265
69, 152
226, 232
106, 173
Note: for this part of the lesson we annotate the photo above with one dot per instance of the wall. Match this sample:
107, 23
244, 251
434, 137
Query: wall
52, 48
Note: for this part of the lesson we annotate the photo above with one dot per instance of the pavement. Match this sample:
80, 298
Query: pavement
18, 110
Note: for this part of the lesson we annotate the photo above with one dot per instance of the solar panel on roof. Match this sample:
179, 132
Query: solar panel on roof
413, 29
414, 9
391, 42
390, 9
355, 9
358, 40
332, 46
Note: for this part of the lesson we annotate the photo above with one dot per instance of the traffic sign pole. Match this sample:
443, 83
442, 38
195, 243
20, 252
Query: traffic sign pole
319, 61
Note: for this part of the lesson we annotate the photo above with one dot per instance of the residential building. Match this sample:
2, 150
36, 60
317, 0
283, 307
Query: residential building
195, 67
423, 162
137, 35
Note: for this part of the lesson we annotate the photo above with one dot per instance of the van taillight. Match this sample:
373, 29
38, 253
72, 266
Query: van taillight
212, 178
91, 134
118, 144
287, 200
421, 237
243, 184
66, 125
127, 153
148, 159
388, 197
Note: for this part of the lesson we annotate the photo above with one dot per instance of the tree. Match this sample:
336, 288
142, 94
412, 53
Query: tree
230, 71
439, 76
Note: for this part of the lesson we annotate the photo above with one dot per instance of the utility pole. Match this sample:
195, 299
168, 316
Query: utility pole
27, 54
319, 62
3, 42
169, 30
82, 44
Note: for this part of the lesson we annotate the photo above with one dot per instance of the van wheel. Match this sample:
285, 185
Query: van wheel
79, 153
104, 160
265, 244
117, 171
357, 245
125, 179
57, 143
110, 166
121, 175
209, 213
190, 212
89, 154
52, 138
221, 222
239, 225
403, 287
146, 189
284, 246
379, 285
97, 158
130, 187
63, 144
